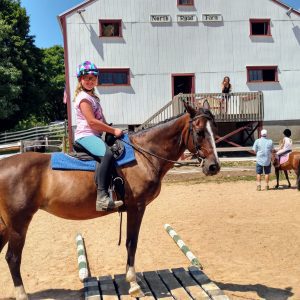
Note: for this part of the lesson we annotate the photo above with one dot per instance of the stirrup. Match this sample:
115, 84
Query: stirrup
105, 203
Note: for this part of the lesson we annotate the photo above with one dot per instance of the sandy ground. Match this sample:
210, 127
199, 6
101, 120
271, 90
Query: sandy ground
248, 242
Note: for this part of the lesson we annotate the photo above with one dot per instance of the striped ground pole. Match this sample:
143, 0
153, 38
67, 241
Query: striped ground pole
81, 255
183, 247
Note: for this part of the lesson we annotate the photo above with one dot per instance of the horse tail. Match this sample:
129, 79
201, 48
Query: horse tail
3, 234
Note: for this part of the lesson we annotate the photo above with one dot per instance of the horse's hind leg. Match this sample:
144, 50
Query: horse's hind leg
16, 240
297, 171
287, 178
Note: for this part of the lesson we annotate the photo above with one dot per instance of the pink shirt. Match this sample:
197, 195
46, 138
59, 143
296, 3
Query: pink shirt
83, 129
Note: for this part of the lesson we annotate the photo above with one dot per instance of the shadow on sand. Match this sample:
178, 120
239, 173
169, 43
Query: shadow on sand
263, 291
57, 294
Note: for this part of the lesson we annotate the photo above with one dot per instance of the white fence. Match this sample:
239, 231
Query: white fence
48, 138
52, 131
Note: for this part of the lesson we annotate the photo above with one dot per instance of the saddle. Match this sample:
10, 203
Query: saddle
115, 145
116, 189
282, 158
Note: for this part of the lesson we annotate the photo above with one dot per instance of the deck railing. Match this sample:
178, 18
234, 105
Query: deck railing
233, 107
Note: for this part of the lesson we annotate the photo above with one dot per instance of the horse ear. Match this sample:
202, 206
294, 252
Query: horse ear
190, 109
206, 105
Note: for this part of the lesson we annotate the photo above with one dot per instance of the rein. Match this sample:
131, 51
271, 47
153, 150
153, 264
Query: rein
190, 131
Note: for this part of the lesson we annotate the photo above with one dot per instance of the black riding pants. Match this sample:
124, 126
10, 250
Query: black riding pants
104, 170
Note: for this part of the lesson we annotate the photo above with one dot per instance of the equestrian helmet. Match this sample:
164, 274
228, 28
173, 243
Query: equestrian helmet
86, 68
287, 132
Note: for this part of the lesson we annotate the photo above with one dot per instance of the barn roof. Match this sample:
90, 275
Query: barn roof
83, 4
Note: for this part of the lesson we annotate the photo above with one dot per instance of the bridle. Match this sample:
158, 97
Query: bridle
196, 145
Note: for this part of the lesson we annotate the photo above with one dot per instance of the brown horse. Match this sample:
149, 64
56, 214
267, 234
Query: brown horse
27, 183
293, 163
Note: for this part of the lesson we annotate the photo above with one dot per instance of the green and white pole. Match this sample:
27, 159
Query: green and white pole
183, 247
82, 261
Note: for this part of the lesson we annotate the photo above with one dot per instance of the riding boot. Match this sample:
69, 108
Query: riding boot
103, 175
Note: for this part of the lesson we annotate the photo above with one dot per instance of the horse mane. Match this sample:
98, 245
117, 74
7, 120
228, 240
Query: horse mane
200, 111
145, 130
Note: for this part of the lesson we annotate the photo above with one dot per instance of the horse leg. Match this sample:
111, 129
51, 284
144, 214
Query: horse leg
277, 178
3, 234
134, 220
287, 178
297, 171
16, 241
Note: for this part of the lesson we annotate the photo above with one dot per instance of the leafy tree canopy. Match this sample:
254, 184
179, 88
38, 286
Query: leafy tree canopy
31, 79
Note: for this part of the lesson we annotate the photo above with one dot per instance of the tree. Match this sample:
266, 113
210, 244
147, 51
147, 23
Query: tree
53, 61
21, 66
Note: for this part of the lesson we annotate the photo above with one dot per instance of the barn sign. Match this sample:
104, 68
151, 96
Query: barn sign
160, 18
212, 18
186, 18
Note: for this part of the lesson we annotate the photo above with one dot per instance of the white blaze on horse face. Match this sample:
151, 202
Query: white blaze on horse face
212, 141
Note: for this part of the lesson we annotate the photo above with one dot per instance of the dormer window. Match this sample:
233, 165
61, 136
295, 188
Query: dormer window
110, 28
260, 27
185, 2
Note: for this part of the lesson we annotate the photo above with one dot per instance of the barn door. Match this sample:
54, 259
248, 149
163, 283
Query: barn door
183, 83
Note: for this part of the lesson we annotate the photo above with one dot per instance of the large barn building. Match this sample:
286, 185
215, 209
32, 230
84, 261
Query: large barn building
149, 51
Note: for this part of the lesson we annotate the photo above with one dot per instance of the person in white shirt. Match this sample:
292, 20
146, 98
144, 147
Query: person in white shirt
286, 144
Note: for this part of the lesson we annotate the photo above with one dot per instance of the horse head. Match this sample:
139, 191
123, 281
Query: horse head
201, 138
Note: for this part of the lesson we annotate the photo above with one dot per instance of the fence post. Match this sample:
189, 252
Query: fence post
21, 146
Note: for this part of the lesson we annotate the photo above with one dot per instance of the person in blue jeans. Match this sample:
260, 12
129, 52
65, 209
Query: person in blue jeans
263, 148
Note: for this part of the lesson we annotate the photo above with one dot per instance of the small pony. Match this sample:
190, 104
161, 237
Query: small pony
293, 163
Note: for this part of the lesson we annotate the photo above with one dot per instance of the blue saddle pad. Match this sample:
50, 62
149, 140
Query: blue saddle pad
62, 161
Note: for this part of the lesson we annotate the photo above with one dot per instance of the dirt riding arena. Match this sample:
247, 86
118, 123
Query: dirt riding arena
247, 241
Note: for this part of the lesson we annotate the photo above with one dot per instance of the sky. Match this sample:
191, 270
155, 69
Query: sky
44, 25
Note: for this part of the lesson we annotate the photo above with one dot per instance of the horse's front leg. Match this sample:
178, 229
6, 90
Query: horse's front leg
134, 220
277, 178
287, 178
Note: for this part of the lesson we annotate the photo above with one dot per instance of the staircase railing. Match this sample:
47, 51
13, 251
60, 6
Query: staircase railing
233, 107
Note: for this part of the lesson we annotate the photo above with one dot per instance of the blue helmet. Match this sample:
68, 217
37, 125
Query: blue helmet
86, 68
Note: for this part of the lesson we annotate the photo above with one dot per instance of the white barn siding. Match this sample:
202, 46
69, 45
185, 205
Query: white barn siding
153, 52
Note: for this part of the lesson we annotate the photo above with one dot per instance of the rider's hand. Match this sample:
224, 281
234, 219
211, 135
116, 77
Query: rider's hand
118, 132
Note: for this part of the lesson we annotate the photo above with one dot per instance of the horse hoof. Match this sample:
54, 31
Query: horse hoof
276, 186
20, 293
135, 290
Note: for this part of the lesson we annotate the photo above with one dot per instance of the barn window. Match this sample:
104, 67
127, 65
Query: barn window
262, 74
260, 27
185, 2
109, 77
110, 28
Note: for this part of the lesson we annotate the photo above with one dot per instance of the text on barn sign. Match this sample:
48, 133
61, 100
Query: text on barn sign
212, 18
160, 18
186, 18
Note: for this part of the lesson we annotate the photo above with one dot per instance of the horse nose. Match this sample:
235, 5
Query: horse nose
213, 168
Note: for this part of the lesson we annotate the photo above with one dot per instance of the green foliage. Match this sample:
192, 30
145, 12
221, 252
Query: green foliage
31, 121
53, 60
31, 79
